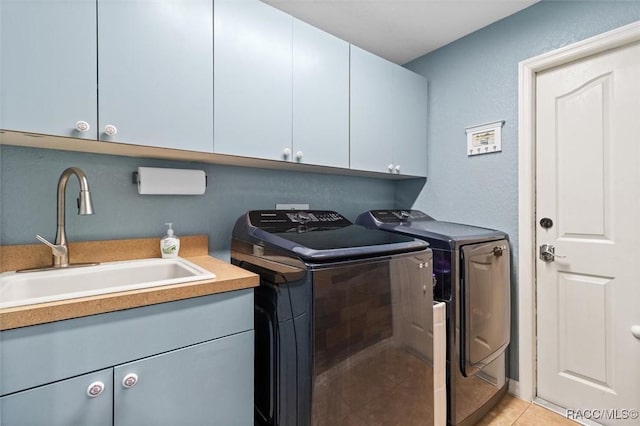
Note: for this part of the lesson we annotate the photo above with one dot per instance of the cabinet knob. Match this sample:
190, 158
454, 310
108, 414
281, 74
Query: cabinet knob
299, 155
95, 389
110, 129
286, 152
82, 126
130, 380
390, 167
397, 168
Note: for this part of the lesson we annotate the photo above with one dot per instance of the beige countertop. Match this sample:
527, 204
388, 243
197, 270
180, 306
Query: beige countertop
193, 248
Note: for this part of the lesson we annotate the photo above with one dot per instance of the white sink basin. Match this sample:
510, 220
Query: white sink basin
27, 288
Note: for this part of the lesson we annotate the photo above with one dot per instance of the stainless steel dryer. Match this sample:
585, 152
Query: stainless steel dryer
471, 271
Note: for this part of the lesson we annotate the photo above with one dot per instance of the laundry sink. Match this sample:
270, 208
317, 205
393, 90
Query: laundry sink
19, 289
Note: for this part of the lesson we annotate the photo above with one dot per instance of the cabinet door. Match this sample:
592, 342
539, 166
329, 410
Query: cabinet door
62, 403
206, 384
320, 97
252, 80
371, 109
410, 123
155, 72
49, 65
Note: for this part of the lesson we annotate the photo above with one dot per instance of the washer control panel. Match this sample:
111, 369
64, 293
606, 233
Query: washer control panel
286, 219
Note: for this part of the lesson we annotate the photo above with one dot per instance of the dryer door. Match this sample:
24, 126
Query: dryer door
485, 304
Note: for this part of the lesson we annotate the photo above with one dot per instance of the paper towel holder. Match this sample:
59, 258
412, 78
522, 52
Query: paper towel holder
134, 179
172, 181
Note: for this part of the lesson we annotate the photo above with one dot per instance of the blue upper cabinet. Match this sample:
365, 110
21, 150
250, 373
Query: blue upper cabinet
388, 116
48, 67
234, 77
372, 111
155, 73
252, 80
409, 123
320, 97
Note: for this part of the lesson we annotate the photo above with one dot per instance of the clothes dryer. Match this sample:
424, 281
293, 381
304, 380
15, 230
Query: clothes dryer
472, 276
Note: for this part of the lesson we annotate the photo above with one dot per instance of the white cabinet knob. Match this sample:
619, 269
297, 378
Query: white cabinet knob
299, 155
390, 167
286, 152
95, 389
398, 168
635, 330
130, 380
110, 129
82, 126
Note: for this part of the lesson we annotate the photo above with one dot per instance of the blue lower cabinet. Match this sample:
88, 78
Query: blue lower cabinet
188, 362
206, 384
84, 400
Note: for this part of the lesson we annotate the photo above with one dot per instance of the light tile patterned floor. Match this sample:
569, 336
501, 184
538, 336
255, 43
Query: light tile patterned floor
514, 411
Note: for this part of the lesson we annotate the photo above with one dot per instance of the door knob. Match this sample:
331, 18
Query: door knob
548, 253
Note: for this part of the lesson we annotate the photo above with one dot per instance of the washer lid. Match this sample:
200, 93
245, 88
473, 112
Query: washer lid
321, 235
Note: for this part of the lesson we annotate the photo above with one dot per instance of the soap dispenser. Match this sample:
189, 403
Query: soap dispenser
169, 244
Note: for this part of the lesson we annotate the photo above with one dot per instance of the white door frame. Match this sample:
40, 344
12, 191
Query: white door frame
527, 69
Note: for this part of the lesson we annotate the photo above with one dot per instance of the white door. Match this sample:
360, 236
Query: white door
588, 184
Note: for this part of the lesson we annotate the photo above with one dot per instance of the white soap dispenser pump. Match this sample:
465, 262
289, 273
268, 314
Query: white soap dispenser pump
169, 244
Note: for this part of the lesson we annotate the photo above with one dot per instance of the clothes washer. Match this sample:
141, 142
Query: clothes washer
472, 276
343, 320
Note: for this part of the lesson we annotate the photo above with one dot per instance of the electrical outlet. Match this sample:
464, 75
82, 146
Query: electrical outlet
292, 206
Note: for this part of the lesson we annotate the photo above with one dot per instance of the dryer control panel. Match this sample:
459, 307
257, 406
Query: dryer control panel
395, 216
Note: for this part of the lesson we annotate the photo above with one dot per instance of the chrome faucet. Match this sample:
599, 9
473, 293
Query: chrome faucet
61, 259
60, 250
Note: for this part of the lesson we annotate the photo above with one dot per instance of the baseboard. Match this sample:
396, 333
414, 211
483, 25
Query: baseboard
514, 388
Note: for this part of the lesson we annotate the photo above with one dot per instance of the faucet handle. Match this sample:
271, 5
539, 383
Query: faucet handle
58, 250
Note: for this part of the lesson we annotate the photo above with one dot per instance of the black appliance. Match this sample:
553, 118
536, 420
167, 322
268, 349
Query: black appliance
471, 268
343, 320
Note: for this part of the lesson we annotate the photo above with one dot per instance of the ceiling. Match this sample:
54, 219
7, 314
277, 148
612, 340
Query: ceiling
400, 30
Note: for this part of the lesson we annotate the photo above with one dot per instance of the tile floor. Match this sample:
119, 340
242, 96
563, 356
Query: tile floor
514, 411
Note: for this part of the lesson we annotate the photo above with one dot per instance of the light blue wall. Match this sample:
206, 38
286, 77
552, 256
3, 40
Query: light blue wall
474, 81
28, 179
